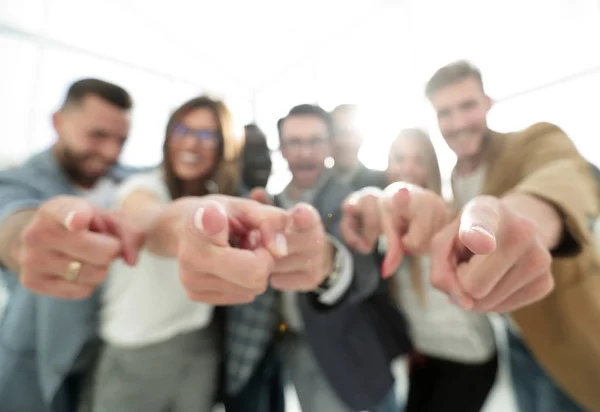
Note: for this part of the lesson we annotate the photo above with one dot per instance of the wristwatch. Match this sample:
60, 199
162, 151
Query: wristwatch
332, 278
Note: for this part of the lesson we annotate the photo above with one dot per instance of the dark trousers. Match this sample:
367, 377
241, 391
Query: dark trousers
437, 385
264, 392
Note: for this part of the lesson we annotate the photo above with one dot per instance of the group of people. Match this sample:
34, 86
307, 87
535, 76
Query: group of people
186, 285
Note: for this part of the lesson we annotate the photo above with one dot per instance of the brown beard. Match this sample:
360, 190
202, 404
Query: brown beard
71, 164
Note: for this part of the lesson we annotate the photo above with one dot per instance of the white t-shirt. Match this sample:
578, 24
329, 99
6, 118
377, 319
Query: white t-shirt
147, 304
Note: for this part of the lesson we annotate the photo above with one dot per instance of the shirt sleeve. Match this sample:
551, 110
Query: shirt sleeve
558, 174
17, 192
345, 267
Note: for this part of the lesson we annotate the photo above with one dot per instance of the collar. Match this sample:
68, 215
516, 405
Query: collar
309, 194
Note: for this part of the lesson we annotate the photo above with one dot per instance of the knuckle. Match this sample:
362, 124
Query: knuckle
189, 280
30, 280
184, 257
436, 280
316, 278
198, 297
540, 288
538, 260
96, 275
262, 286
437, 241
547, 285
524, 230
259, 278
474, 287
113, 251
27, 257
192, 260
32, 234
80, 293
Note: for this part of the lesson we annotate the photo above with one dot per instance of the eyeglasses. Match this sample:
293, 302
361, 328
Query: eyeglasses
297, 144
207, 138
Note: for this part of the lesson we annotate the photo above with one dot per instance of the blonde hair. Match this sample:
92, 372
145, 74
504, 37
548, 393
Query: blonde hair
434, 183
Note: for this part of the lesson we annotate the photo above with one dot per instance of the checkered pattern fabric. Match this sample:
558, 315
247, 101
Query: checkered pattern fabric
250, 329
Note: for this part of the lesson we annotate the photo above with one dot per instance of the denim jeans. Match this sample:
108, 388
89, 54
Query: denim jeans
390, 403
534, 389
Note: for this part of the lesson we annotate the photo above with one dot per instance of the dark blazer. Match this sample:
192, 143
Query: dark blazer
342, 337
387, 319
367, 177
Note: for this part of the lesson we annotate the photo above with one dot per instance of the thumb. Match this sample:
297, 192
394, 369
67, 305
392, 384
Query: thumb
132, 239
304, 218
479, 223
209, 222
260, 195
73, 213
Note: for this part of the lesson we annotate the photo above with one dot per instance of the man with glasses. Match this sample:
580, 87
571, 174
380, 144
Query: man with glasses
328, 345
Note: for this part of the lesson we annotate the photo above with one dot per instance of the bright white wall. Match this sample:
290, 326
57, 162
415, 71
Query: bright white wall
384, 62
378, 55
47, 44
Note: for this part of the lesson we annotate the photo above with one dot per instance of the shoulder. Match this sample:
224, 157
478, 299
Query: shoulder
539, 133
27, 177
151, 181
121, 172
375, 178
336, 189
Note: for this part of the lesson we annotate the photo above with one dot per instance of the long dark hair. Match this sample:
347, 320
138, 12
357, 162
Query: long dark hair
226, 173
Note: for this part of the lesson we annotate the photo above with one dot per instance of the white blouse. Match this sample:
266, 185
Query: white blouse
438, 327
147, 303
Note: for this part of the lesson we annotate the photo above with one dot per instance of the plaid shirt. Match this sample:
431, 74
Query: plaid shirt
250, 329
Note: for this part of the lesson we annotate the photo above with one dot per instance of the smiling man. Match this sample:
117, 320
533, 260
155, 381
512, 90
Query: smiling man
331, 348
47, 343
536, 174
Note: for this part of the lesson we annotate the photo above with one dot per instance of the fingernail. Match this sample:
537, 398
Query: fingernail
281, 244
482, 230
198, 219
253, 239
69, 220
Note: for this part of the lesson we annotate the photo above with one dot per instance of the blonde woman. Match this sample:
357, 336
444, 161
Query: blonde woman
456, 360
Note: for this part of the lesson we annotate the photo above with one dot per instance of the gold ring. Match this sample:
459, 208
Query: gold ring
73, 271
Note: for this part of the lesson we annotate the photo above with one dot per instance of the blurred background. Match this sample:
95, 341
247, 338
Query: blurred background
539, 59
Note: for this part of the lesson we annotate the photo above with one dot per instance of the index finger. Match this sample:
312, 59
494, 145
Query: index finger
350, 228
446, 257
260, 195
391, 228
132, 239
271, 222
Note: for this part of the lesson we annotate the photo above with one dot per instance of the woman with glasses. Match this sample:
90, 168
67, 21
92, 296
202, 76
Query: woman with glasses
163, 351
